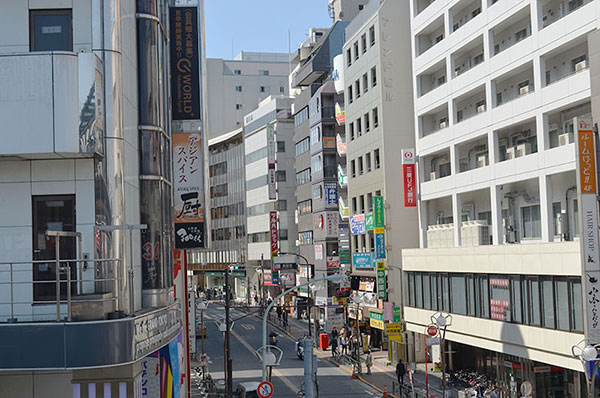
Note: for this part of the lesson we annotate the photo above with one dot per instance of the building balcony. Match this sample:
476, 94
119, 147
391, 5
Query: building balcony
556, 10
59, 90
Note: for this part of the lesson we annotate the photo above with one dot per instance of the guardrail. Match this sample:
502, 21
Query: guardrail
15, 274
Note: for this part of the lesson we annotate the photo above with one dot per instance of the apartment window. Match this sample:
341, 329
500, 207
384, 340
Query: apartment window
368, 161
316, 163
363, 43
367, 122
238, 89
360, 165
301, 116
356, 54
498, 99
305, 207
478, 59
280, 175
561, 289
303, 146
303, 177
372, 35
50, 30
350, 99
357, 88
459, 116
365, 83
578, 63
351, 131
264, 89
547, 301
237, 72
282, 89
305, 238
517, 307
575, 305
369, 202
476, 12
354, 205
377, 160
530, 216
280, 146
375, 117
315, 135
373, 76
534, 301
439, 38
348, 57
441, 80
480, 106
458, 302
238, 106
362, 204
520, 35
263, 72
358, 127
353, 168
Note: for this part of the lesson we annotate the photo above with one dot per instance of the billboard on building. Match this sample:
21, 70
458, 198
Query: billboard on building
409, 178
188, 190
362, 260
271, 173
357, 224
274, 235
588, 213
338, 73
185, 63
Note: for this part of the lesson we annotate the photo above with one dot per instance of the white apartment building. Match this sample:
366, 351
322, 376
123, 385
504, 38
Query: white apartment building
236, 87
273, 115
497, 84
379, 115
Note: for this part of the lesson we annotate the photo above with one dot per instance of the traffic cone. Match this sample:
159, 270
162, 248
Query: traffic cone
385, 393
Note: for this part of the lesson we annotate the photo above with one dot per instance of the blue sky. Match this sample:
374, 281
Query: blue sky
260, 25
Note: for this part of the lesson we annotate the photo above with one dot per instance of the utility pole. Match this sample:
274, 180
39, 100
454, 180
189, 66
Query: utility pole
262, 283
228, 363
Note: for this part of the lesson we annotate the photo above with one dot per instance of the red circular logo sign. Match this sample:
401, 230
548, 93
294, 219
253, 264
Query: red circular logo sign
265, 389
432, 330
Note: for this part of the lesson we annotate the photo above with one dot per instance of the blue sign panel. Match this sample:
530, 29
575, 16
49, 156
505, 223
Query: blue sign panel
379, 245
357, 224
331, 195
362, 260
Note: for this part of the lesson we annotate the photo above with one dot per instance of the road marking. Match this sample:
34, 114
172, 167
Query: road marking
248, 326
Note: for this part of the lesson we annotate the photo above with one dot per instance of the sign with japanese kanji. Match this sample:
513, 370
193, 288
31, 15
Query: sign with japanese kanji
188, 190
588, 213
381, 282
271, 161
409, 178
274, 237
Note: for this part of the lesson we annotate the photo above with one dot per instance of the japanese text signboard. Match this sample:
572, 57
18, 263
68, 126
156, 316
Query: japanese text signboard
588, 210
379, 226
381, 283
274, 237
185, 64
188, 190
271, 174
409, 178
357, 224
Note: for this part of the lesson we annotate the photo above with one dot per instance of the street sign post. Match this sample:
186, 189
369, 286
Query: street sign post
432, 330
265, 389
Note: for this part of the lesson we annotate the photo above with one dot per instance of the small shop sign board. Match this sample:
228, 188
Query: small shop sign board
393, 329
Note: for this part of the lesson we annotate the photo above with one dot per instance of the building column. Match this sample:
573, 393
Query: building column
496, 206
545, 188
423, 213
456, 218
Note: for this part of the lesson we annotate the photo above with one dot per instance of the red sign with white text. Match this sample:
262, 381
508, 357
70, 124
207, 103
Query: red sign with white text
410, 185
274, 237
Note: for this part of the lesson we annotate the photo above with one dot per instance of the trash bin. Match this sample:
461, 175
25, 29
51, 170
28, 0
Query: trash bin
324, 341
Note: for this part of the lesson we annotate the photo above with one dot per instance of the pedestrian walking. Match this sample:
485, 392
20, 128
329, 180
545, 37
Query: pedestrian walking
279, 312
369, 362
334, 347
400, 371
334, 333
344, 344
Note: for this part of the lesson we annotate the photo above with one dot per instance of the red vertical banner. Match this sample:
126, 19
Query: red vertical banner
181, 292
274, 236
409, 178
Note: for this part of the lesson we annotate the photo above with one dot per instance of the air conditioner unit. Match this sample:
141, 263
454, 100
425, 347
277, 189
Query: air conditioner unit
482, 160
580, 66
443, 125
481, 108
524, 90
563, 139
432, 176
523, 149
510, 153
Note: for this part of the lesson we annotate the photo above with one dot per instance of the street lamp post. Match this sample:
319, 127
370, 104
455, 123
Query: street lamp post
336, 278
442, 320
587, 353
309, 277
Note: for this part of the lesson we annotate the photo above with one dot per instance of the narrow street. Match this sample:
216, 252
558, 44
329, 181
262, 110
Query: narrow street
288, 377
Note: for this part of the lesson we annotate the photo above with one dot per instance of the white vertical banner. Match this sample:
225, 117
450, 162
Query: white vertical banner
588, 210
271, 149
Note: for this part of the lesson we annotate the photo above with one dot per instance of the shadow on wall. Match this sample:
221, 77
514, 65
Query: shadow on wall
510, 374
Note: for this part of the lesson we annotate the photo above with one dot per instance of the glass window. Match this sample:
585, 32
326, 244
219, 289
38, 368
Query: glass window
238, 89
446, 293
458, 303
303, 177
516, 299
470, 295
263, 72
426, 291
532, 227
576, 305
237, 72
561, 302
50, 30
435, 296
303, 146
548, 320
485, 296
500, 298
411, 289
280, 146
418, 291
280, 175
524, 302
534, 301
301, 116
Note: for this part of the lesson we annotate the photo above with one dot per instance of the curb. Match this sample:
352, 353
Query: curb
373, 386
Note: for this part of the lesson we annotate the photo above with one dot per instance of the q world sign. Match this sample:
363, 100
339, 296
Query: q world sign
185, 68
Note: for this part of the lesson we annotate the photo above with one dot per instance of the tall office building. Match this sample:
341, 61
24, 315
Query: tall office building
86, 305
235, 87
498, 85
379, 116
